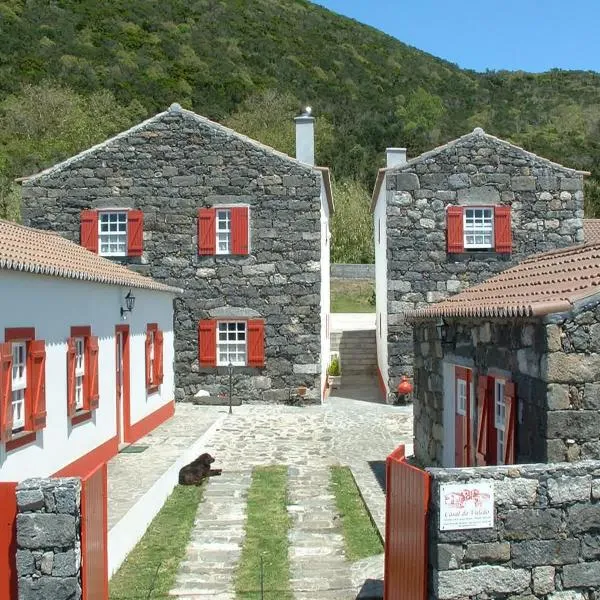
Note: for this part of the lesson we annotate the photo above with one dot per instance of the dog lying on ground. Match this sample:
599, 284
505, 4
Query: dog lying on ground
198, 470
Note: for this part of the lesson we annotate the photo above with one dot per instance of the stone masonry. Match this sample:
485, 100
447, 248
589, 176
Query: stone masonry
169, 167
554, 363
545, 542
49, 539
478, 169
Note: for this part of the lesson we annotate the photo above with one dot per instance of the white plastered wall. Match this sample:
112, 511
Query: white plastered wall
52, 306
381, 273
325, 287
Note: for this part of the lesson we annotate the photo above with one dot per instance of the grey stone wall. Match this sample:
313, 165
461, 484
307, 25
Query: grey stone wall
546, 203
49, 539
171, 166
555, 364
348, 271
545, 543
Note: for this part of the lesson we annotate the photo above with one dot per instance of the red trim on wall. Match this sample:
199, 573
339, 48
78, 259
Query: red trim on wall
152, 421
21, 440
8, 540
90, 461
81, 417
381, 383
81, 330
19, 333
126, 408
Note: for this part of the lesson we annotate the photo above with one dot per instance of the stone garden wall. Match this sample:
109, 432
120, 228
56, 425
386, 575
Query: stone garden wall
170, 167
546, 203
49, 539
545, 542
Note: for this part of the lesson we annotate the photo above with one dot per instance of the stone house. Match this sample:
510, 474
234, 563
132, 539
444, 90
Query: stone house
452, 218
242, 228
508, 371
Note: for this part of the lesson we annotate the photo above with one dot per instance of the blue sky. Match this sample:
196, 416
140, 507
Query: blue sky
530, 35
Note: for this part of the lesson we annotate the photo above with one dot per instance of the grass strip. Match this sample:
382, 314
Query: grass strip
361, 539
353, 296
267, 525
151, 567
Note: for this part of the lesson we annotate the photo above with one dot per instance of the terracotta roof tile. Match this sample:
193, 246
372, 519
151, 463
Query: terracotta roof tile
591, 230
47, 253
543, 284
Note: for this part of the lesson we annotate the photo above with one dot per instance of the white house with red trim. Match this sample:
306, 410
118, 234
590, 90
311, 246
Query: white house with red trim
455, 216
86, 358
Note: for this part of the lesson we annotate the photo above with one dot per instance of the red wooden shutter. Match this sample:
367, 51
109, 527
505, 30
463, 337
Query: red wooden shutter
239, 230
135, 233
6, 416
71, 358
207, 233
158, 357
455, 229
37, 350
89, 230
510, 398
502, 229
207, 343
147, 355
92, 372
483, 416
256, 343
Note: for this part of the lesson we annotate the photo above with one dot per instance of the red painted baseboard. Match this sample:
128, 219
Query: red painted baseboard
8, 540
137, 430
90, 461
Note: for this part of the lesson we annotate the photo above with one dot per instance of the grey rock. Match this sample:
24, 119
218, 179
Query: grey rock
494, 552
545, 552
543, 580
491, 580
582, 575
526, 524
49, 587
40, 530
569, 489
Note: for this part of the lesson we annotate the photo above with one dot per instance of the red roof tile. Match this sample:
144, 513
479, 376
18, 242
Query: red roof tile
591, 230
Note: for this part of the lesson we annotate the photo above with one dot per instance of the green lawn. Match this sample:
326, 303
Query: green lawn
267, 528
361, 539
352, 295
150, 569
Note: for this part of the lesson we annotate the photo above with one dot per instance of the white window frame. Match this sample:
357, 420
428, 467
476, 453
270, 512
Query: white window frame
79, 372
461, 396
229, 350
482, 229
225, 232
19, 383
500, 419
118, 237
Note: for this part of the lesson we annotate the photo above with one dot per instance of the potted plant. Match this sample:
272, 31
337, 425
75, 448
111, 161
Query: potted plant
334, 372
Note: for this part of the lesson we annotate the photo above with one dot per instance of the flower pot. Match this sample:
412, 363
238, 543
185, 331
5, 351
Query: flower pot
335, 381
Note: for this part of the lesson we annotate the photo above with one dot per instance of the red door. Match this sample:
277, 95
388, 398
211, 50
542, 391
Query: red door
122, 381
462, 418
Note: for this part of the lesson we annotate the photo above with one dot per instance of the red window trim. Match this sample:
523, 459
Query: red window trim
83, 414
152, 389
23, 438
81, 330
246, 320
12, 334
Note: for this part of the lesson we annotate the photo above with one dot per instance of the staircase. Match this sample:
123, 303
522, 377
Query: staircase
357, 350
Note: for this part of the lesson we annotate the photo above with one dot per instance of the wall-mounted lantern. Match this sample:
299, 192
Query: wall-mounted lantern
129, 304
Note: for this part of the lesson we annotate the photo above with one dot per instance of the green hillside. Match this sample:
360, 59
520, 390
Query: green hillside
74, 71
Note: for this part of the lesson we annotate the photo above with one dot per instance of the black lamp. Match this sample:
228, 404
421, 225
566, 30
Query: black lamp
442, 331
129, 304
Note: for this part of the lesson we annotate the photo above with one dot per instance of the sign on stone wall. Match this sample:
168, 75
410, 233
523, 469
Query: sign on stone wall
466, 505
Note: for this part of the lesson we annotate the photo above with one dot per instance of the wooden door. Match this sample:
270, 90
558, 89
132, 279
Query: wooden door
462, 418
122, 381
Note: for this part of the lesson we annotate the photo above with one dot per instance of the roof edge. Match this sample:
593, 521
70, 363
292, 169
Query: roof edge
326, 175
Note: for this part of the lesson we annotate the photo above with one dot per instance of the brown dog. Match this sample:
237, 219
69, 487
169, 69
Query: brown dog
198, 470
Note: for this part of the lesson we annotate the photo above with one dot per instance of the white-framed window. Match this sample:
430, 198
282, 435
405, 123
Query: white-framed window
19, 383
231, 343
151, 358
223, 230
112, 232
499, 419
479, 227
461, 397
79, 372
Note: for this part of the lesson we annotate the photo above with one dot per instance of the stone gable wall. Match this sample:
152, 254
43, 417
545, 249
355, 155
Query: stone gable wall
545, 542
49, 539
169, 169
547, 213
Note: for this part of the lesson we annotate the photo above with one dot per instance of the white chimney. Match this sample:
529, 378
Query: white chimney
305, 137
395, 156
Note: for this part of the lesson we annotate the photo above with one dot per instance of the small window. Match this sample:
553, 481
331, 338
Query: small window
461, 397
479, 228
19, 383
500, 419
231, 343
112, 230
224, 231
79, 372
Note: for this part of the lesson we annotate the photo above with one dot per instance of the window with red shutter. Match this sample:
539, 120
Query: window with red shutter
71, 359
154, 357
206, 231
135, 233
93, 395
502, 229
37, 351
158, 357
89, 230
256, 343
6, 422
483, 416
239, 230
510, 398
454, 229
207, 343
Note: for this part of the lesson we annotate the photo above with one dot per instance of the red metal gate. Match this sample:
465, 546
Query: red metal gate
8, 540
407, 500
94, 534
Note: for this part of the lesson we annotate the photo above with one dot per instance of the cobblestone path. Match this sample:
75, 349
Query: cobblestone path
216, 542
317, 563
